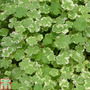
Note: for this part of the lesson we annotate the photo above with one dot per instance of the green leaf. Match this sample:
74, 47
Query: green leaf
55, 8
54, 72
45, 55
46, 21
48, 83
72, 15
79, 48
34, 27
3, 16
63, 58
87, 46
20, 29
31, 25
47, 40
62, 41
79, 87
19, 54
5, 63
39, 37
77, 79
33, 5
6, 41
10, 9
87, 81
20, 12
44, 8
77, 56
27, 66
80, 24
66, 72
26, 22
7, 51
88, 65
69, 24
49, 54
35, 14
83, 10
38, 87
51, 57
57, 28
78, 38
3, 32
64, 29
16, 37
13, 22
45, 70
87, 32
17, 73
67, 4
7, 73
25, 82
31, 50
85, 74
31, 40
79, 67
15, 85
37, 79
64, 83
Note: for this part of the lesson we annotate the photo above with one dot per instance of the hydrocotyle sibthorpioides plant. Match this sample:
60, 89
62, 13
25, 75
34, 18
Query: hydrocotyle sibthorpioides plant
45, 44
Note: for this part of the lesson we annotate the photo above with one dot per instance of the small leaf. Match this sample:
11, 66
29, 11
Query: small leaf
31, 40
44, 8
20, 29
57, 28
64, 83
78, 38
47, 40
20, 12
87, 82
55, 8
35, 14
38, 87
87, 46
32, 50
16, 37
15, 85
66, 72
87, 32
77, 56
80, 24
46, 21
67, 4
54, 72
19, 54
7, 51
39, 37
62, 41
27, 66
6, 41
6, 63
3, 32
63, 58
72, 15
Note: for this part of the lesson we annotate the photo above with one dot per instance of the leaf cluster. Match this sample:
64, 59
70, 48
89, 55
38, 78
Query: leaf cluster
45, 44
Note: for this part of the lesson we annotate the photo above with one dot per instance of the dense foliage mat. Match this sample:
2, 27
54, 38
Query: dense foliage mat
45, 44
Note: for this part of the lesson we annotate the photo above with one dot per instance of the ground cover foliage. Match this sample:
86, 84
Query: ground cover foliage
45, 44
